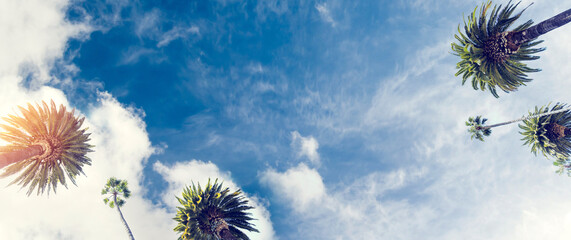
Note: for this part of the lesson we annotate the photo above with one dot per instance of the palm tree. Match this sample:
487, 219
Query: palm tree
491, 54
212, 213
547, 131
116, 188
46, 145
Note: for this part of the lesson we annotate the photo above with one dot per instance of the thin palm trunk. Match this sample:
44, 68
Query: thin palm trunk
223, 231
122, 218
7, 158
225, 234
541, 28
524, 118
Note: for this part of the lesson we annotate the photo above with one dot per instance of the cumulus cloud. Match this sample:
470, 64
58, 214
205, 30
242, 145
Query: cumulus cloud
305, 147
34, 35
300, 187
182, 174
353, 211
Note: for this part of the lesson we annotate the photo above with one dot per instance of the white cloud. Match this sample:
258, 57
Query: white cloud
301, 187
148, 24
267, 7
306, 146
134, 54
176, 33
183, 174
325, 13
33, 33
254, 68
353, 211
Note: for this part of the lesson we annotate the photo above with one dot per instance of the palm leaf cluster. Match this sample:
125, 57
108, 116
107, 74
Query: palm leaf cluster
115, 188
477, 129
564, 165
541, 135
204, 212
58, 133
487, 57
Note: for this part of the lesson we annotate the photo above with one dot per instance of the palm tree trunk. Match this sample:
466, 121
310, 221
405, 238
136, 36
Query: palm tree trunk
7, 158
122, 218
225, 234
526, 118
222, 230
541, 28
556, 131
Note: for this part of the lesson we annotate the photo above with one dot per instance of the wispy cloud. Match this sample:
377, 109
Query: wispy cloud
265, 8
148, 24
175, 33
325, 13
134, 54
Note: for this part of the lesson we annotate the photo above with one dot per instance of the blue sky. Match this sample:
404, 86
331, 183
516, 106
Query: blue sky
338, 119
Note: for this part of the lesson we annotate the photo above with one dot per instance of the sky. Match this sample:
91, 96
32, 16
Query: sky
337, 119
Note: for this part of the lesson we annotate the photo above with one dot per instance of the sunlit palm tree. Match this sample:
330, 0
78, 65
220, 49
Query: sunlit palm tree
212, 213
492, 54
546, 131
115, 189
45, 145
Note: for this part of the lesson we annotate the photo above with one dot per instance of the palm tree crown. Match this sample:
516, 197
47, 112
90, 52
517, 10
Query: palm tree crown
488, 53
477, 130
212, 213
551, 134
46, 145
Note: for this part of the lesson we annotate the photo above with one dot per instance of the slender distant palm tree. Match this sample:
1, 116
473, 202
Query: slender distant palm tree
492, 54
116, 188
547, 131
212, 213
45, 145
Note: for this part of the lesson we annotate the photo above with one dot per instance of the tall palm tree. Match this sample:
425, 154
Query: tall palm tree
45, 145
212, 213
116, 188
547, 131
492, 54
